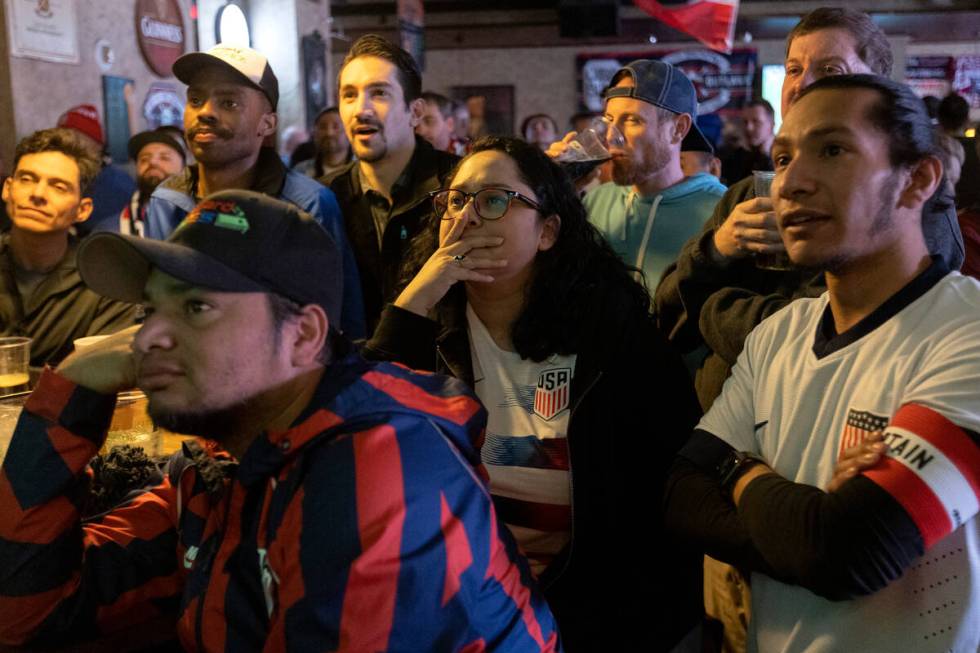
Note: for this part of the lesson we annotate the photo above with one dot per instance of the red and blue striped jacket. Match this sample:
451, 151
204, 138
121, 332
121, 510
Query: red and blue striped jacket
364, 527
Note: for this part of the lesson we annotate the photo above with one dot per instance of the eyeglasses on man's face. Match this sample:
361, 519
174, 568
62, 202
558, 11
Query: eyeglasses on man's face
490, 203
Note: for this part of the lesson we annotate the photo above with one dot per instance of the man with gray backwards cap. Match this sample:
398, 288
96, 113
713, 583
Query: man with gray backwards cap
650, 208
346, 513
232, 97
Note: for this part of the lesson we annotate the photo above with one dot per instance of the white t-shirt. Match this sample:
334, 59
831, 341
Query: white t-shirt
525, 451
918, 373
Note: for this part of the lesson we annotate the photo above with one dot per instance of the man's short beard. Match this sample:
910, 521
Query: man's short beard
888, 195
882, 222
627, 172
146, 185
214, 425
622, 172
372, 156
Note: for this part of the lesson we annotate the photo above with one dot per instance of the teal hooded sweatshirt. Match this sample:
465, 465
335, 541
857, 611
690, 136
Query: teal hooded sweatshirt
648, 232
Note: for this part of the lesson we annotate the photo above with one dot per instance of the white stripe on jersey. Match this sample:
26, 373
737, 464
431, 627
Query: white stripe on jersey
939, 472
529, 484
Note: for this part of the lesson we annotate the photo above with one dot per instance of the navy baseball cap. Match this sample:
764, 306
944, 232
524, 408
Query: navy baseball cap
664, 86
233, 241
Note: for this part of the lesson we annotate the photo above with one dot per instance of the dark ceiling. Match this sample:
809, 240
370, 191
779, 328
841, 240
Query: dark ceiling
526, 23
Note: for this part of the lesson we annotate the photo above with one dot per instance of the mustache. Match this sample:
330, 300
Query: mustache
218, 130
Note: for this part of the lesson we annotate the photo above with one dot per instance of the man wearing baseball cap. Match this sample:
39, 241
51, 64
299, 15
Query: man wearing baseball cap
650, 208
232, 97
334, 503
112, 187
158, 156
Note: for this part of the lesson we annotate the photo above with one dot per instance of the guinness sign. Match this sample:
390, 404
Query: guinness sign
160, 32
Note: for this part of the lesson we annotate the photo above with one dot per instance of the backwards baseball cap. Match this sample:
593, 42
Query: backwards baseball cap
85, 119
664, 86
233, 241
142, 139
252, 67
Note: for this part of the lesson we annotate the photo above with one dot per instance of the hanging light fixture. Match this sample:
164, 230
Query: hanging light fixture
231, 26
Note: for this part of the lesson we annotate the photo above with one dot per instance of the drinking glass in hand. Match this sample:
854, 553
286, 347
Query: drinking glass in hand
590, 148
768, 260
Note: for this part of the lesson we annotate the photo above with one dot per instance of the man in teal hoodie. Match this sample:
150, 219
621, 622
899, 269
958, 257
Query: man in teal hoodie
651, 209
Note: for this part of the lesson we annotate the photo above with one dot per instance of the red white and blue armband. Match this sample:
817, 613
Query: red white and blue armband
932, 469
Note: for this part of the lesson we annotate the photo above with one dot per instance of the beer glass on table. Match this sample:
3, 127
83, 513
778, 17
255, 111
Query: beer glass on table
15, 356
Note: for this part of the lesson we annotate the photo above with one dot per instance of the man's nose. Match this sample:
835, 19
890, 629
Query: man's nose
363, 105
155, 333
39, 193
806, 78
206, 111
794, 179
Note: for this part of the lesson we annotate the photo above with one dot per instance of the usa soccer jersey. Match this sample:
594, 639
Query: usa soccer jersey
526, 446
798, 396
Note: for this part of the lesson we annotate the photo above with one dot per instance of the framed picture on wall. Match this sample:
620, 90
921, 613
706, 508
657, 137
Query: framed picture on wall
43, 29
314, 50
491, 109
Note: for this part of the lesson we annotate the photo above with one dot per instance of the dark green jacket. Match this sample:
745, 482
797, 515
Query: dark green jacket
61, 309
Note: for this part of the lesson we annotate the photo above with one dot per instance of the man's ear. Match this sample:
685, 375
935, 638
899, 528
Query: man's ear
308, 335
923, 179
417, 109
6, 188
549, 233
268, 124
84, 211
682, 125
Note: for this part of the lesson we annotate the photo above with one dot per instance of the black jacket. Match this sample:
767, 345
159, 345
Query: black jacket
381, 268
632, 408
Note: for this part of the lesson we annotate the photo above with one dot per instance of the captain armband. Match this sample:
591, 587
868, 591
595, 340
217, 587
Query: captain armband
932, 468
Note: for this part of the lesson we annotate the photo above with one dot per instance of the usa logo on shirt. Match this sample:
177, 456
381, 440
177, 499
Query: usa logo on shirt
859, 424
553, 392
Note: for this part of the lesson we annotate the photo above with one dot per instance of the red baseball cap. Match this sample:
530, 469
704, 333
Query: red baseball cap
85, 119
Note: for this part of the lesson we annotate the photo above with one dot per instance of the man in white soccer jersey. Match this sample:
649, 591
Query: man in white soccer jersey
890, 558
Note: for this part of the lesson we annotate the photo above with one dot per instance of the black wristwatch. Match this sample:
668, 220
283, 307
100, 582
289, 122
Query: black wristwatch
732, 466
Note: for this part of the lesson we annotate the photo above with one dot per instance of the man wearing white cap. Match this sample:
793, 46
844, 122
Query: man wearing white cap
232, 97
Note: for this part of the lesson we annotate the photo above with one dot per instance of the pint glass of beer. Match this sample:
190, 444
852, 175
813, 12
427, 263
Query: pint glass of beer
15, 354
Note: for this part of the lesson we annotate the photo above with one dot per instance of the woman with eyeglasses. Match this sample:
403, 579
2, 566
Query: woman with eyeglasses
524, 300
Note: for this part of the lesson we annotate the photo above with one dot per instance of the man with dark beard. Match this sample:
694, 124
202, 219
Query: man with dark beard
332, 150
335, 505
384, 194
232, 97
650, 208
157, 156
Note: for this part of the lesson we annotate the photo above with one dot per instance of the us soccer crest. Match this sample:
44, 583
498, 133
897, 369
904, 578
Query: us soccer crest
553, 392
860, 423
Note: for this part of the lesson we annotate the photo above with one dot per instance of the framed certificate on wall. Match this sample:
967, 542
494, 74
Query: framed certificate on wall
43, 29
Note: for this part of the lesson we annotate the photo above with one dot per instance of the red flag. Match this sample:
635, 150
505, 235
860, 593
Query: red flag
710, 21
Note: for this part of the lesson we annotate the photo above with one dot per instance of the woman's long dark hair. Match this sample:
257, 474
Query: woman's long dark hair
571, 277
